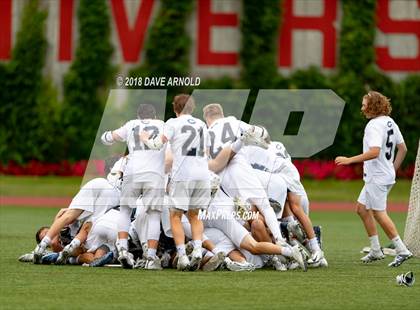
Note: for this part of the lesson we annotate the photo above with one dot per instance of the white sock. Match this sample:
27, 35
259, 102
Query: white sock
286, 251
45, 242
313, 244
399, 245
180, 249
151, 252
75, 243
236, 146
123, 243
374, 243
287, 219
197, 244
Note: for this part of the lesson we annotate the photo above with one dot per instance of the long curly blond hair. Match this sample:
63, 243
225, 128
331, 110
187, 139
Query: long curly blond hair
377, 104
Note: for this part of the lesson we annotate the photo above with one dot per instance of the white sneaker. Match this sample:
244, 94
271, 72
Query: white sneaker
38, 253
400, 258
236, 266
257, 136
183, 263
214, 262
372, 256
153, 264
62, 257
126, 259
196, 257
316, 257
278, 264
26, 258
298, 257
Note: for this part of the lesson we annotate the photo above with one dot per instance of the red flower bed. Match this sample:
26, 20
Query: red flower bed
63, 168
308, 168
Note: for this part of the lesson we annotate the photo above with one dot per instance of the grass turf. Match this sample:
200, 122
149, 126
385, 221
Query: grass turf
346, 284
326, 190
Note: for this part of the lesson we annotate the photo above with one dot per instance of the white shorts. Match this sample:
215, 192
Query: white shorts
104, 231
150, 191
374, 196
222, 242
95, 198
227, 224
166, 222
239, 180
189, 195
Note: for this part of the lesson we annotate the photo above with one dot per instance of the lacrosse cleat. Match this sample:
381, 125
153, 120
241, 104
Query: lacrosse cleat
38, 253
153, 263
214, 262
399, 259
196, 257
298, 257
183, 263
372, 256
237, 266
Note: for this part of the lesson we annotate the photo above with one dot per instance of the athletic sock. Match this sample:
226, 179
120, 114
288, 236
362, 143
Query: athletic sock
197, 244
180, 249
236, 146
151, 252
208, 254
374, 243
123, 243
45, 242
286, 251
313, 244
399, 245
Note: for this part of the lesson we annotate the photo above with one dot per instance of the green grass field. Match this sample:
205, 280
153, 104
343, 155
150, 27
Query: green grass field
326, 190
346, 284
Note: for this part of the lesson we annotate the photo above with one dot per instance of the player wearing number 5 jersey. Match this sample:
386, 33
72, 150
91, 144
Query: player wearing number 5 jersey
143, 176
382, 136
189, 188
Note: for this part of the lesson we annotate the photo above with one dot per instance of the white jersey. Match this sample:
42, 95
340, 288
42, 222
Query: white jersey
141, 160
384, 133
224, 131
189, 140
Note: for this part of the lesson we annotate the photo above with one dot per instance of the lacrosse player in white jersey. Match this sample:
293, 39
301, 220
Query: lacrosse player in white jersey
276, 162
143, 176
189, 188
221, 216
381, 137
92, 201
238, 178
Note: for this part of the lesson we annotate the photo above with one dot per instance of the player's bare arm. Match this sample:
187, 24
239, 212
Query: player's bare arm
399, 157
371, 154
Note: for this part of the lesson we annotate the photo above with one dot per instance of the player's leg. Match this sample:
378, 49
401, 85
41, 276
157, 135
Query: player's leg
259, 230
180, 200
377, 196
364, 211
68, 217
200, 200
305, 221
130, 192
153, 200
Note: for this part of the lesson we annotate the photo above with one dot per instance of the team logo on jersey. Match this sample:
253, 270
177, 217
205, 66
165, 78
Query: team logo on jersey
191, 121
389, 124
145, 122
